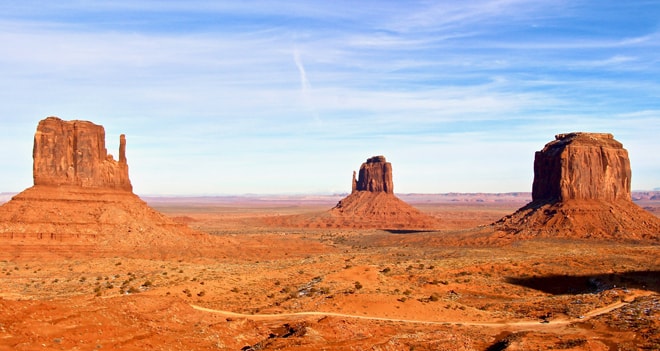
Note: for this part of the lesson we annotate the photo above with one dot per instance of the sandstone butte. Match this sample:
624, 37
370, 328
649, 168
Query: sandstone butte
371, 204
581, 189
82, 196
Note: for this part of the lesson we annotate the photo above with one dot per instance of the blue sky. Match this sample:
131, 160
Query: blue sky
234, 97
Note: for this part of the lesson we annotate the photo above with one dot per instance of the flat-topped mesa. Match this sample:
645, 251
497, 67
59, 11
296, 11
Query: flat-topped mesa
74, 153
375, 176
582, 166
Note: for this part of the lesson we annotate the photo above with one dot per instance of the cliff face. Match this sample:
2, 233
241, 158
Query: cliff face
582, 189
375, 176
582, 166
82, 198
371, 204
74, 153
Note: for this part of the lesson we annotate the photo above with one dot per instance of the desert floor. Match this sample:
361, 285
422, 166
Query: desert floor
255, 287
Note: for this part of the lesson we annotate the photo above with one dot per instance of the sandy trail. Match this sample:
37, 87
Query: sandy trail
549, 323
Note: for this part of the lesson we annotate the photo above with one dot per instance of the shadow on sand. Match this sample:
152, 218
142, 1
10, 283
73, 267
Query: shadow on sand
407, 231
585, 284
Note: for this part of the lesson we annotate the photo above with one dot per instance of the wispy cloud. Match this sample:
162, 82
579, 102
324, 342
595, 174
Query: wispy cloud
304, 82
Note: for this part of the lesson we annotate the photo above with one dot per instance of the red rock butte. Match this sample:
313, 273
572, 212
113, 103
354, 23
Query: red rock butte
582, 166
83, 198
371, 204
74, 153
375, 176
581, 189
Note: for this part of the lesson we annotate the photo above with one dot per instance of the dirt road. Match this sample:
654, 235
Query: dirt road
536, 323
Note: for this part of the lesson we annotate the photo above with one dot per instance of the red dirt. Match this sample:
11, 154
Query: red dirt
362, 209
98, 297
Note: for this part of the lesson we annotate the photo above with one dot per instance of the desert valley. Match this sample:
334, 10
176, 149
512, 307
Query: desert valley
85, 264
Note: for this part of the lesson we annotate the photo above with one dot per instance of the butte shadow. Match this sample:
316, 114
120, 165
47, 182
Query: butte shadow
590, 283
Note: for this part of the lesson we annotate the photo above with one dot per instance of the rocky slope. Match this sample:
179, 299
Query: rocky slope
81, 195
371, 204
581, 189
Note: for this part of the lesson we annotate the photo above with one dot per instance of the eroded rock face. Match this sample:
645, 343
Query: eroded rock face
581, 190
582, 166
375, 176
74, 153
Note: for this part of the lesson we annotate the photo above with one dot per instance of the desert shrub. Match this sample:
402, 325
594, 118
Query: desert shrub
201, 293
133, 290
386, 270
434, 297
147, 284
358, 285
570, 344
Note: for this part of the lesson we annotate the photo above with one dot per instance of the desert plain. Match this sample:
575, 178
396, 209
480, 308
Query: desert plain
255, 286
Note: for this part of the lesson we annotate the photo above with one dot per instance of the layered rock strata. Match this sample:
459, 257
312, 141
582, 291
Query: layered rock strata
74, 153
371, 204
582, 166
82, 196
581, 189
375, 176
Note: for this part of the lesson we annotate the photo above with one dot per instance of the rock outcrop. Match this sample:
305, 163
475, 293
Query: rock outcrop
74, 153
581, 189
371, 204
375, 176
82, 196
582, 166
